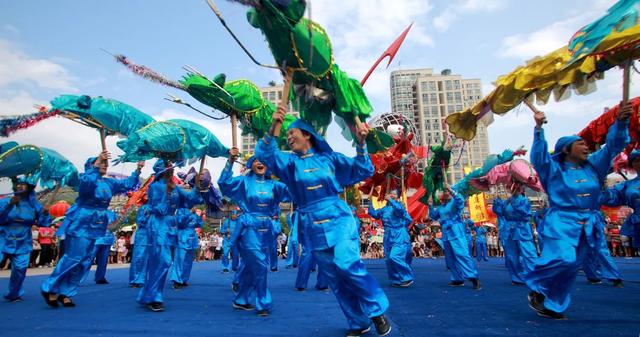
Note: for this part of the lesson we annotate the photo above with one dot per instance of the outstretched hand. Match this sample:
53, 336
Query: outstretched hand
626, 109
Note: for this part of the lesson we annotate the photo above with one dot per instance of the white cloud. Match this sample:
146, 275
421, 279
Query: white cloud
552, 36
459, 8
17, 67
11, 30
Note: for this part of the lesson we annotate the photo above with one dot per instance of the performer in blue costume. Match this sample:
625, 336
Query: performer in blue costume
481, 244
315, 175
503, 227
273, 248
538, 218
293, 246
397, 244
101, 252
17, 215
468, 227
141, 248
456, 250
229, 252
573, 224
628, 193
84, 222
165, 198
519, 250
259, 198
187, 244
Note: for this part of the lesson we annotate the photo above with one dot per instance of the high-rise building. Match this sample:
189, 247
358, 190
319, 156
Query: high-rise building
427, 98
273, 93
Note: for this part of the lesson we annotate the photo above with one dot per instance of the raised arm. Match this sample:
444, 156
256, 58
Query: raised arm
352, 170
617, 140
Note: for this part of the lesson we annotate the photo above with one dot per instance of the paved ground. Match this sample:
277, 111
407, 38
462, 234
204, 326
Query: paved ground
429, 308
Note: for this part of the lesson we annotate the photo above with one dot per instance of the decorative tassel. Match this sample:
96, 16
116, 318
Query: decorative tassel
148, 73
11, 124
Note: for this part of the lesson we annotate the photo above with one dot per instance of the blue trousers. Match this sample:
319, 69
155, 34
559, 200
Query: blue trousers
254, 278
238, 274
481, 251
273, 253
156, 276
307, 263
358, 293
398, 259
599, 264
139, 262
470, 244
19, 265
519, 256
555, 271
101, 253
229, 251
293, 255
71, 268
182, 265
458, 258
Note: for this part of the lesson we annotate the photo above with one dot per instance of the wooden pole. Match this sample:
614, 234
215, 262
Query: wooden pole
234, 129
103, 140
626, 80
533, 108
284, 102
402, 186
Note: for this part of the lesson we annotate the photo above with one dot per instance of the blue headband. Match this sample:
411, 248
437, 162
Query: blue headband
562, 144
319, 143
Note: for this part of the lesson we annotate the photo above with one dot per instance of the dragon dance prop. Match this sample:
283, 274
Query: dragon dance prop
55, 171
16, 160
240, 99
434, 177
595, 133
107, 115
158, 139
557, 73
465, 187
517, 171
303, 52
393, 169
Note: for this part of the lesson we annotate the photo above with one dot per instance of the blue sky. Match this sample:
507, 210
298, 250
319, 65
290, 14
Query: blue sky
52, 47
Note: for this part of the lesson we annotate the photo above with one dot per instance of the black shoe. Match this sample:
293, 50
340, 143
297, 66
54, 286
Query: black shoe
288, 267
617, 283
357, 333
53, 304
300, 289
515, 283
103, 281
383, 327
263, 313
594, 281
184, 284
225, 270
536, 302
476, 284
234, 287
177, 285
68, 303
155, 306
135, 285
402, 284
274, 269
322, 288
246, 307
15, 300
456, 283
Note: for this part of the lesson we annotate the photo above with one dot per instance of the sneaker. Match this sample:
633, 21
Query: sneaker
246, 307
234, 287
155, 306
476, 284
456, 283
103, 281
402, 284
263, 313
383, 327
358, 332
594, 281
617, 283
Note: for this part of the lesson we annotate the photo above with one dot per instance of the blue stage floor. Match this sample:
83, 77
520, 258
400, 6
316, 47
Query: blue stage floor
428, 308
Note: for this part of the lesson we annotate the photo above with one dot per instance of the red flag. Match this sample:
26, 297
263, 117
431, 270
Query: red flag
391, 52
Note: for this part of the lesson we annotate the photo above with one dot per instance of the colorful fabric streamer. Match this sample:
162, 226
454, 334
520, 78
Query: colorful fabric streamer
147, 73
11, 124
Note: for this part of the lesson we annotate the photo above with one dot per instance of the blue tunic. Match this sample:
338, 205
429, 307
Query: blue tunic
573, 223
628, 194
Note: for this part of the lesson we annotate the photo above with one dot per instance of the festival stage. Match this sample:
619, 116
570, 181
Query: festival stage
428, 308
